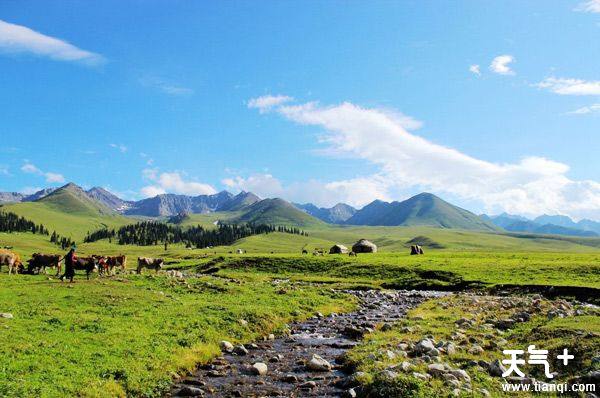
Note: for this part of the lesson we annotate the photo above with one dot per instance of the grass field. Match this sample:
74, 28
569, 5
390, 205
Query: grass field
433, 270
128, 335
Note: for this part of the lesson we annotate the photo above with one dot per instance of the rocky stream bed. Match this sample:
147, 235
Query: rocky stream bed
305, 362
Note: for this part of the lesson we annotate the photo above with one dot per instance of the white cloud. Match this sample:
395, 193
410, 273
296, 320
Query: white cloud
30, 168
30, 190
54, 177
570, 86
594, 108
4, 170
266, 102
20, 39
122, 148
165, 87
589, 6
151, 191
531, 186
356, 192
475, 69
500, 65
172, 183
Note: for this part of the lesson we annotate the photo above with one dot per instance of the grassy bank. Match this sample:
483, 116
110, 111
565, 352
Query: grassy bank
389, 366
128, 335
433, 270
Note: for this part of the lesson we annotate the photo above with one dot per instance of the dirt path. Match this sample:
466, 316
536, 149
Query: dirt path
286, 358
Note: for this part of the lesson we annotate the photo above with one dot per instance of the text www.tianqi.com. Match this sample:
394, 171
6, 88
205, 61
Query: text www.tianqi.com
560, 388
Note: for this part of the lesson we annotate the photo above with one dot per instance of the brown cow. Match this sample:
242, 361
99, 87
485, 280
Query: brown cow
87, 264
120, 261
150, 263
102, 263
12, 260
39, 262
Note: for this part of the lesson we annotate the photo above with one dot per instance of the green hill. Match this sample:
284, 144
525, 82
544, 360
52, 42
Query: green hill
424, 209
277, 211
72, 199
70, 212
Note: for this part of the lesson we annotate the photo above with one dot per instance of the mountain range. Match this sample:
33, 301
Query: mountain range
424, 209
545, 224
337, 214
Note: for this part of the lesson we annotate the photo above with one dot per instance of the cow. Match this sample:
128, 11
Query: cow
87, 264
12, 260
415, 250
102, 263
352, 254
150, 263
39, 262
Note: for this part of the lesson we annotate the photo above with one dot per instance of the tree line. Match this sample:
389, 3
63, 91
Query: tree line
11, 222
148, 233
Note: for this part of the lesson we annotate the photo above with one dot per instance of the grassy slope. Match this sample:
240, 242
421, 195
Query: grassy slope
125, 336
278, 212
74, 224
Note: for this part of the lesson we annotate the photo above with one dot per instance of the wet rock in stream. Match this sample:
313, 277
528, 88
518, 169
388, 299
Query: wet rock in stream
304, 364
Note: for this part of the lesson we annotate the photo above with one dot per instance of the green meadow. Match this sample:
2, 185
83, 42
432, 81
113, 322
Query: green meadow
129, 335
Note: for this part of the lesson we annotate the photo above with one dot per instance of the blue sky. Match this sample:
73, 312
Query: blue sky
492, 105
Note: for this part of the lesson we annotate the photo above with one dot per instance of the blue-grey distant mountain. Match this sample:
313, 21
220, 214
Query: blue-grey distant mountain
172, 204
561, 221
423, 209
589, 225
337, 214
504, 220
108, 199
168, 205
544, 225
15, 197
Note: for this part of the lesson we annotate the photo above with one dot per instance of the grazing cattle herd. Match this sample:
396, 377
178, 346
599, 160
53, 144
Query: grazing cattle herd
104, 265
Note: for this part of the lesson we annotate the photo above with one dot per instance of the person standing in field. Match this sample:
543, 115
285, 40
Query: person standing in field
70, 259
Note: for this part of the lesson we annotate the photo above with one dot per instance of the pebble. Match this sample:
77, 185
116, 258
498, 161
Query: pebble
226, 346
240, 350
318, 364
259, 368
188, 391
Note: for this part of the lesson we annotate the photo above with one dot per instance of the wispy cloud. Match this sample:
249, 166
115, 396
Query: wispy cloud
501, 65
30, 190
30, 168
20, 39
122, 148
475, 69
594, 108
172, 183
589, 6
4, 170
149, 160
266, 102
165, 87
406, 161
564, 86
